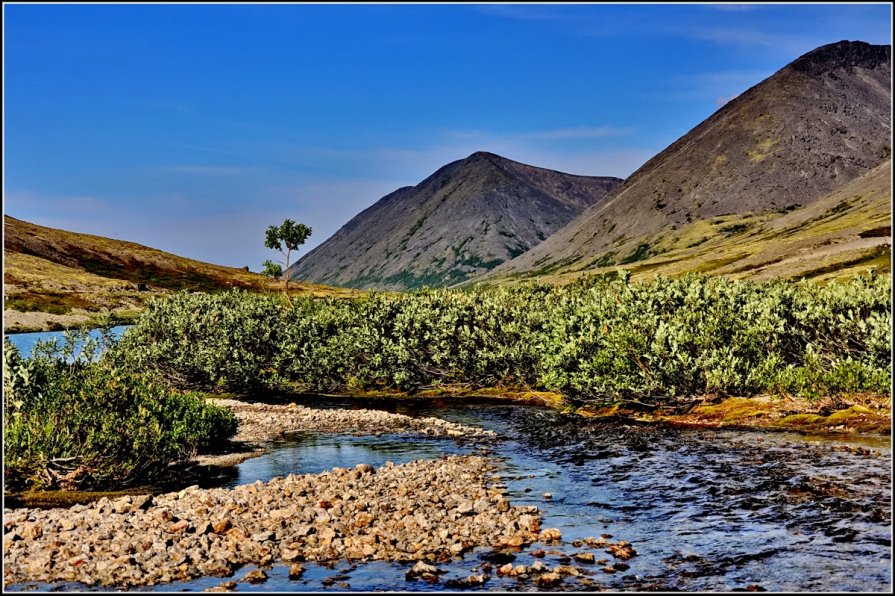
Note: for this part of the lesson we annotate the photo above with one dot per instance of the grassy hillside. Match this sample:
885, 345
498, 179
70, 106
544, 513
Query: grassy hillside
844, 233
55, 278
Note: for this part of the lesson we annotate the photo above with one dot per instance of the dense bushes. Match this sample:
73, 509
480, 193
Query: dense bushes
594, 340
74, 420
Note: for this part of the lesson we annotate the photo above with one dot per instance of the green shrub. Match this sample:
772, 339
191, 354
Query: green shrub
598, 339
211, 341
73, 419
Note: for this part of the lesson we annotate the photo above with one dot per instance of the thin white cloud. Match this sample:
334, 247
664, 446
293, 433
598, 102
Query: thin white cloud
25, 201
415, 164
580, 132
733, 7
737, 36
524, 12
714, 86
210, 170
722, 100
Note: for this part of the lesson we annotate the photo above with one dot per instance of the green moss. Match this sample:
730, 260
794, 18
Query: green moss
641, 252
799, 419
879, 258
734, 229
57, 303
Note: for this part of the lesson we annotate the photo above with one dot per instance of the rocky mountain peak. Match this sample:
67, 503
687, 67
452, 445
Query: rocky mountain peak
842, 54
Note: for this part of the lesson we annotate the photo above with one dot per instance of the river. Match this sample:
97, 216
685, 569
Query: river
715, 510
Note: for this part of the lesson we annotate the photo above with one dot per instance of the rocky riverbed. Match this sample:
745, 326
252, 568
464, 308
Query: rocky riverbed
260, 422
423, 510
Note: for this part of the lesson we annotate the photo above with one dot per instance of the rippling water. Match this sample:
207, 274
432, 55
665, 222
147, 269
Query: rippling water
706, 510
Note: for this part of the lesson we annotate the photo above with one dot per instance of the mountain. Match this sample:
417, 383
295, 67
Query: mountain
798, 136
466, 218
842, 234
56, 278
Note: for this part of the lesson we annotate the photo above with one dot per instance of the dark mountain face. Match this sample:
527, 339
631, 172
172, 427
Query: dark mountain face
810, 128
466, 218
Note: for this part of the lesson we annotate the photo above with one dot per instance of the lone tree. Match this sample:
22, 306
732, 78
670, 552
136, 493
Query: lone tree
286, 238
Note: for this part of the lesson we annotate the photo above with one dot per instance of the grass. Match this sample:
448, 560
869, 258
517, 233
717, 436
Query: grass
831, 238
56, 272
58, 303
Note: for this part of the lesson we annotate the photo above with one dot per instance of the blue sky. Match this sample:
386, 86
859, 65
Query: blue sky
191, 128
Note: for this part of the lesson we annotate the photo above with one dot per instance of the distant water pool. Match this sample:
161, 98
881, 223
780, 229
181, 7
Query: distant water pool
25, 342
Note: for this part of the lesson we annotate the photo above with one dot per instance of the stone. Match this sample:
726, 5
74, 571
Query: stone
475, 580
263, 536
516, 540
623, 550
422, 570
550, 535
296, 570
32, 531
566, 570
584, 557
548, 580
203, 528
179, 527
256, 576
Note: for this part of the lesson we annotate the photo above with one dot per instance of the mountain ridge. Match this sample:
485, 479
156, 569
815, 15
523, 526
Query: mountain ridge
466, 217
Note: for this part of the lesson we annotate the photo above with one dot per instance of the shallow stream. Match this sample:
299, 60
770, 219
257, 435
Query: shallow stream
704, 509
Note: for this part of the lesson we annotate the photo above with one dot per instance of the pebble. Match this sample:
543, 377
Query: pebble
296, 571
422, 570
550, 535
623, 550
566, 570
547, 580
467, 582
256, 576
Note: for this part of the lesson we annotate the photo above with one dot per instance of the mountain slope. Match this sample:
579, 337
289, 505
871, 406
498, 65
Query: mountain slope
466, 218
65, 276
842, 234
798, 136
